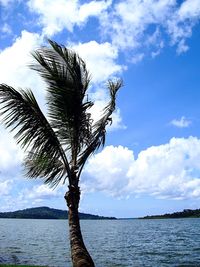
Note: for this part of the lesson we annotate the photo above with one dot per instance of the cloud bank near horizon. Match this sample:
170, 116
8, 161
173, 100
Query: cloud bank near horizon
170, 171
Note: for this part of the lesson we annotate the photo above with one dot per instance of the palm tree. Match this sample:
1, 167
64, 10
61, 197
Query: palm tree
57, 148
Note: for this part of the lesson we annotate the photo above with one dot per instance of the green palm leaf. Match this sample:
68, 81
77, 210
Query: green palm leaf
57, 148
42, 165
22, 114
67, 78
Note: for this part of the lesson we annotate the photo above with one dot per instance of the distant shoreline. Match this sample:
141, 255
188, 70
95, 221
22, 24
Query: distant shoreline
57, 214
186, 213
48, 213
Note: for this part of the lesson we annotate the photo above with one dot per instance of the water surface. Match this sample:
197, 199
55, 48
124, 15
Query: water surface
121, 243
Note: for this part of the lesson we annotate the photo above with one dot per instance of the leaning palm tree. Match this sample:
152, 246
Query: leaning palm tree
57, 148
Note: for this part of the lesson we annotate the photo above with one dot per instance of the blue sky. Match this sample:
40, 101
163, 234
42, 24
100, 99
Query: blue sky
151, 161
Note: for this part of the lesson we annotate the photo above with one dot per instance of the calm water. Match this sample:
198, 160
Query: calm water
123, 243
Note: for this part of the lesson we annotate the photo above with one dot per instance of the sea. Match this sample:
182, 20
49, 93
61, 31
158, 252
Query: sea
111, 243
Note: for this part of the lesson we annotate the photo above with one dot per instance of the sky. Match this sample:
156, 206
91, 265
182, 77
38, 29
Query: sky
151, 160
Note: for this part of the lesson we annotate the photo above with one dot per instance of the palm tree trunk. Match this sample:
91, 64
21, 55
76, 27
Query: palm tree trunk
79, 253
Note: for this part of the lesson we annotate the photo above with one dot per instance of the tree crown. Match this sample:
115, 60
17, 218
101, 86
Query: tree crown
57, 148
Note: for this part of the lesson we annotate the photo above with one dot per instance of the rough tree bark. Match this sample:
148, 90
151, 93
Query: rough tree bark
79, 253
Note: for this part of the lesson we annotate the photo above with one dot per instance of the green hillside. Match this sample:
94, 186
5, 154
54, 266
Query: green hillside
48, 213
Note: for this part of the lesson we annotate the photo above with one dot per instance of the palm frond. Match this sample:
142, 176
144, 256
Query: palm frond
22, 114
70, 129
42, 165
99, 128
67, 78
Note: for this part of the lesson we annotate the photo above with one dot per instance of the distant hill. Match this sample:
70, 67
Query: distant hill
187, 213
48, 213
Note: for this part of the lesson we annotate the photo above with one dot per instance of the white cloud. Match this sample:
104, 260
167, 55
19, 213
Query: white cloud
189, 9
5, 187
169, 171
100, 59
181, 123
107, 170
131, 19
137, 58
15, 72
58, 15
26, 197
135, 23
40, 192
182, 47
93, 8
10, 154
14, 61
117, 122
6, 29
181, 22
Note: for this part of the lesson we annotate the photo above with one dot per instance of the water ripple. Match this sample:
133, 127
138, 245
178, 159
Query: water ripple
122, 243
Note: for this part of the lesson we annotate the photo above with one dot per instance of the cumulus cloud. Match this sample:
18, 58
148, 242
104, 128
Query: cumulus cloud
117, 122
181, 123
169, 171
14, 61
100, 59
136, 24
41, 192
131, 19
26, 196
189, 9
65, 14
107, 170
10, 154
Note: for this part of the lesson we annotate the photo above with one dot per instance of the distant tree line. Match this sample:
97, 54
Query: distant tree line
186, 213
